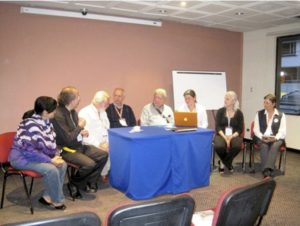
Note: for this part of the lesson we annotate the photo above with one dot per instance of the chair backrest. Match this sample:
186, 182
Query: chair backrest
75, 219
6, 142
244, 206
174, 212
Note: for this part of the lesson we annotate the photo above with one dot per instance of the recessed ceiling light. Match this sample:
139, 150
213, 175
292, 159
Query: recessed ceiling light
239, 13
162, 11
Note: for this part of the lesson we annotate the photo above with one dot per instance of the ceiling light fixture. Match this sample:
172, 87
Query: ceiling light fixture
90, 16
239, 13
183, 4
163, 11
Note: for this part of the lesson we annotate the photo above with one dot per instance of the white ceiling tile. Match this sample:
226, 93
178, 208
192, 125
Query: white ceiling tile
189, 15
289, 12
267, 6
219, 14
239, 3
215, 19
241, 23
292, 2
129, 6
263, 18
212, 8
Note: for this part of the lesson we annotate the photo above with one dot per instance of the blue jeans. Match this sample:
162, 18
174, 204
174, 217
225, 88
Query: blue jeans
53, 178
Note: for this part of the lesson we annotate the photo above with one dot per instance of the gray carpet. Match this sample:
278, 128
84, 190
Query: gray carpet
284, 208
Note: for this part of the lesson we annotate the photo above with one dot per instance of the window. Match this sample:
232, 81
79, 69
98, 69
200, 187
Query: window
288, 74
288, 48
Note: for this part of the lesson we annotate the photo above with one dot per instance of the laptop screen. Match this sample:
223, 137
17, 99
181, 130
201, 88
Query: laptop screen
187, 119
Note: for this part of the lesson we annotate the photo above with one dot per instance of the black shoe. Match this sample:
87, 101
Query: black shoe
266, 172
61, 207
44, 202
74, 192
221, 167
91, 188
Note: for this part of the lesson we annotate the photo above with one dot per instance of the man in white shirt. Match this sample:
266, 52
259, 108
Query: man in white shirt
97, 124
157, 113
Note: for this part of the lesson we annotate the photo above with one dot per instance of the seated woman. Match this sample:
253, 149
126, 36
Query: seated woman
270, 131
191, 105
35, 149
229, 127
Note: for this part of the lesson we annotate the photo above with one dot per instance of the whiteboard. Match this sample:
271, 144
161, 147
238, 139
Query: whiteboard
210, 87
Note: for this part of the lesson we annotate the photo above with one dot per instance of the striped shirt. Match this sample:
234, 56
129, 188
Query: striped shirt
34, 142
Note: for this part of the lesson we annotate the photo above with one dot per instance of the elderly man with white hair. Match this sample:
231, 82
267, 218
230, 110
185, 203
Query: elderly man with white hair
157, 113
97, 124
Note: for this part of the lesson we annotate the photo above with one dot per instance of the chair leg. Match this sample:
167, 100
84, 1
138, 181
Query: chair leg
244, 157
250, 155
252, 159
284, 162
282, 159
27, 193
213, 158
69, 181
3, 189
31, 185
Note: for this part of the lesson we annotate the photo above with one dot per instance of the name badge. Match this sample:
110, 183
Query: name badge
79, 138
228, 131
123, 122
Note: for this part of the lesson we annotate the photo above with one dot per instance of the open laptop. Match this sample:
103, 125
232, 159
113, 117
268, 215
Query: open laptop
185, 121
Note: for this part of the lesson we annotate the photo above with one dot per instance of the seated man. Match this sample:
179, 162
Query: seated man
119, 114
97, 125
157, 113
70, 130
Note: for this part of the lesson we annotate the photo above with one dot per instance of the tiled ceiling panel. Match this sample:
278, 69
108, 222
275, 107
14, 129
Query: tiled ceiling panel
229, 15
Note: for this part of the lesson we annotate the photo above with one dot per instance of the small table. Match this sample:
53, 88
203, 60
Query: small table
156, 161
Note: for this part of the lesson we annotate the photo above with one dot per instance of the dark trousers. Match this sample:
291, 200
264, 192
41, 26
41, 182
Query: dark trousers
227, 154
91, 161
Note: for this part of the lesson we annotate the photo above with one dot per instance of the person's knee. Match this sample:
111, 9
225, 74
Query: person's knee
51, 171
89, 165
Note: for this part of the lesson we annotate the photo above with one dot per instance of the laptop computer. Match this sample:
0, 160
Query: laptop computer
185, 121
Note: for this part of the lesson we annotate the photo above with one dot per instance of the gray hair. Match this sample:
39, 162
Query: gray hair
161, 91
100, 97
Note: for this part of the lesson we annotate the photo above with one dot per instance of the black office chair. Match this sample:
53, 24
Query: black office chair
75, 219
244, 206
177, 211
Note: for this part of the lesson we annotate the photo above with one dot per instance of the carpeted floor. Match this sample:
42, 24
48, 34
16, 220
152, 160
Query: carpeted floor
284, 208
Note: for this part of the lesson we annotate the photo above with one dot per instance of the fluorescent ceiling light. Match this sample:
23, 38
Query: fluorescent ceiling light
90, 16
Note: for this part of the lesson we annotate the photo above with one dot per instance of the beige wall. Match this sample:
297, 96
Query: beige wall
259, 68
41, 54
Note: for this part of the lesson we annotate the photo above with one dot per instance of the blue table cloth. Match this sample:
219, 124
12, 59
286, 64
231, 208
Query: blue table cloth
156, 161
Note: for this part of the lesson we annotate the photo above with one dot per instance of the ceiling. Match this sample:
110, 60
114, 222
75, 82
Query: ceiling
238, 16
